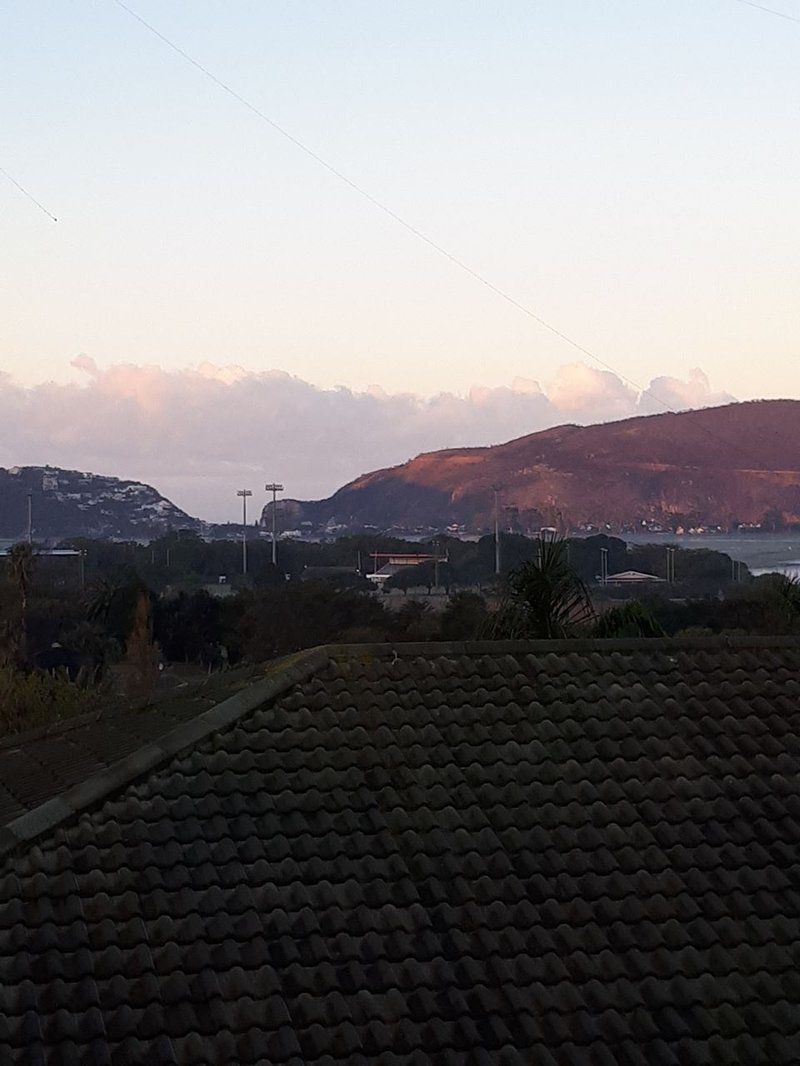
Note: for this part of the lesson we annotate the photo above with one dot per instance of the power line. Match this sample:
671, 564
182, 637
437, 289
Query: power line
375, 202
407, 225
25, 192
769, 10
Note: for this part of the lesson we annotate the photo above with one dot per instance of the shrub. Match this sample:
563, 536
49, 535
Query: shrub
29, 699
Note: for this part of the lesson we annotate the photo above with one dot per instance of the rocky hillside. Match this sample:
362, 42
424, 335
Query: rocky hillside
67, 503
737, 463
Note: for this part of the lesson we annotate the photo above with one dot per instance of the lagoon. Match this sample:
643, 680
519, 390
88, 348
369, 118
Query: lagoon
763, 553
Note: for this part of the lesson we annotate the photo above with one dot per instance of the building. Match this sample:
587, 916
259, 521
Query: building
394, 562
632, 577
563, 853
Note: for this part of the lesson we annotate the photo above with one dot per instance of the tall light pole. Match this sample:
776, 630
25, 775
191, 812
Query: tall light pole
244, 493
30, 518
274, 488
671, 565
496, 490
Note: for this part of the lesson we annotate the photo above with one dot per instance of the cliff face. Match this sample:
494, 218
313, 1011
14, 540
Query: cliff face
68, 503
716, 466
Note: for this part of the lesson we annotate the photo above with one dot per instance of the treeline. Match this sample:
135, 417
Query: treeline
73, 635
183, 560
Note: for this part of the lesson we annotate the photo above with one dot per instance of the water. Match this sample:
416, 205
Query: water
764, 553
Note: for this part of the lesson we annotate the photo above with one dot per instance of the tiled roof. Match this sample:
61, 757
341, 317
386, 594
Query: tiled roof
560, 855
44, 762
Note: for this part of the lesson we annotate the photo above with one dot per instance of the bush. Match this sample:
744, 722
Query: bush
38, 698
301, 615
629, 620
465, 617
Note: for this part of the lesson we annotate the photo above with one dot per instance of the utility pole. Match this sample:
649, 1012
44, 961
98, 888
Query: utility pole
274, 488
496, 490
30, 518
604, 566
83, 569
244, 493
671, 565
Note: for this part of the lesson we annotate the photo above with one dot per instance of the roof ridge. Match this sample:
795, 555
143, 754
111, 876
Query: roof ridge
599, 644
33, 824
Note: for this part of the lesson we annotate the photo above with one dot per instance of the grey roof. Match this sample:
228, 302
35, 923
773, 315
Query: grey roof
634, 575
561, 854
41, 763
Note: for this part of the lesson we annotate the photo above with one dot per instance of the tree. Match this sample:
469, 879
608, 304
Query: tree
465, 617
428, 575
137, 674
113, 603
22, 561
302, 614
189, 627
773, 520
415, 621
545, 598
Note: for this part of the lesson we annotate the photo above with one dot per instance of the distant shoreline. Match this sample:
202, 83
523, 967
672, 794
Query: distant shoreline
762, 552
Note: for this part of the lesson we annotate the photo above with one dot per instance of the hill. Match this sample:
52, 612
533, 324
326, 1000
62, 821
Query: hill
724, 465
68, 503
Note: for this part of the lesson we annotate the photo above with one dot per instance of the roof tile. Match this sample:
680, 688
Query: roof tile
561, 857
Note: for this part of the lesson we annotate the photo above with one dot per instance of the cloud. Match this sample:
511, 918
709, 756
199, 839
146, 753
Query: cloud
680, 395
199, 434
87, 364
578, 389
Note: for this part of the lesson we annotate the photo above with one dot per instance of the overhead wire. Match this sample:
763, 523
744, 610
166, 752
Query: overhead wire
361, 191
769, 10
30, 195
375, 201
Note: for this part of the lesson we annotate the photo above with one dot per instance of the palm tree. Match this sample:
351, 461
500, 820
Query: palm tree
545, 598
22, 558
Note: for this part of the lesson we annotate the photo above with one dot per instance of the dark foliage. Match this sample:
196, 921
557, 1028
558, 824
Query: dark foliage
465, 617
630, 619
545, 598
189, 627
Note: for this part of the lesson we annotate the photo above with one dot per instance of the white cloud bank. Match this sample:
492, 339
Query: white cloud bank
200, 434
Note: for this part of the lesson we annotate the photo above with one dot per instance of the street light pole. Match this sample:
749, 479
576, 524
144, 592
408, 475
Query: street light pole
274, 488
30, 518
496, 490
244, 493
671, 565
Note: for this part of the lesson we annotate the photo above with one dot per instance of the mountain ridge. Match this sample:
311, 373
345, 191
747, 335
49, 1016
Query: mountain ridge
660, 469
73, 503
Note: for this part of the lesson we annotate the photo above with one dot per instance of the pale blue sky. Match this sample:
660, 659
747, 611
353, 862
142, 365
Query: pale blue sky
630, 169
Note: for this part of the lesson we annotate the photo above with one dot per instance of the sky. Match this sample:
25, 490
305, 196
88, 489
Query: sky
628, 170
